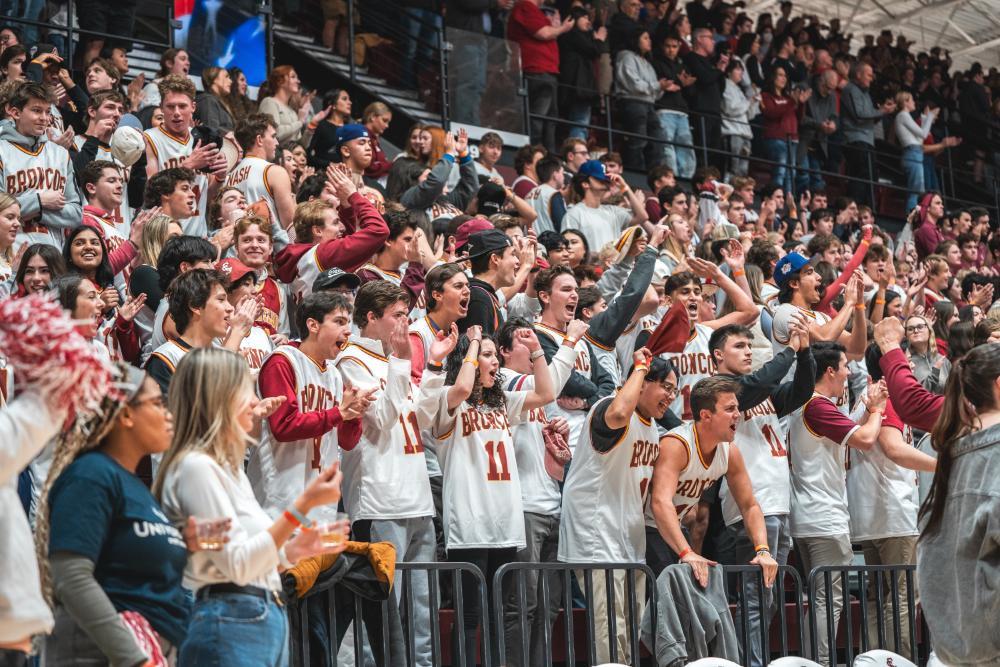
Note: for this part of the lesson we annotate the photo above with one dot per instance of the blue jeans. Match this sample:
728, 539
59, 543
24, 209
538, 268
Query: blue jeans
236, 629
421, 28
735, 549
913, 169
930, 173
579, 112
468, 73
678, 152
779, 152
807, 180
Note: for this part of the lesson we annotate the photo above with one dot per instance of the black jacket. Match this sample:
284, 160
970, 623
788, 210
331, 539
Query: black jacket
670, 70
755, 388
577, 52
621, 31
467, 14
484, 308
705, 95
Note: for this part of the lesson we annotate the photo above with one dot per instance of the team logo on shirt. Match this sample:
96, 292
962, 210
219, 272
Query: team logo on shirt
474, 420
644, 453
314, 398
36, 178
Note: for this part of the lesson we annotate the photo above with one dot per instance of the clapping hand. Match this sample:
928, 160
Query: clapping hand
442, 346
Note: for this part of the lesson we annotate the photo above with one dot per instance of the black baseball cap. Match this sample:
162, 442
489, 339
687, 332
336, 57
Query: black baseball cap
492, 240
335, 278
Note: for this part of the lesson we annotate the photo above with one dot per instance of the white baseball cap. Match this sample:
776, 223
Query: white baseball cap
127, 145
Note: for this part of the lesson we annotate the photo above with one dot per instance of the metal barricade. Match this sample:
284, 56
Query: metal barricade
565, 575
750, 575
867, 584
377, 616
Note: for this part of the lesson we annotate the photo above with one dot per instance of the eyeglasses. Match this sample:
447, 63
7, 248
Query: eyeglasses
669, 388
915, 328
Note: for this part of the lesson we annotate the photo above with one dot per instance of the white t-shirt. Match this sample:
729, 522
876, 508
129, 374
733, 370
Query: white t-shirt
600, 226
761, 440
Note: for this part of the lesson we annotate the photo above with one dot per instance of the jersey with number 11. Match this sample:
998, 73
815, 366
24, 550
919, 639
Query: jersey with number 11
760, 439
482, 489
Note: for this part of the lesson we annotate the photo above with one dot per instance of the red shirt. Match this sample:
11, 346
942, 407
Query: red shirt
537, 56
917, 406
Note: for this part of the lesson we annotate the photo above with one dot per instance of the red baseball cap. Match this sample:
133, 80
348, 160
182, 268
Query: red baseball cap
470, 227
234, 269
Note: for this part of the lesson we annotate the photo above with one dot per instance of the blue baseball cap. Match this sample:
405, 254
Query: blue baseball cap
594, 169
789, 266
350, 132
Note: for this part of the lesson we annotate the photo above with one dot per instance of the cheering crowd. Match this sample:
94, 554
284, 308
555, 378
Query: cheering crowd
305, 340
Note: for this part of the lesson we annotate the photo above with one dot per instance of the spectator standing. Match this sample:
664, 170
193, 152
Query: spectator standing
94, 563
173, 61
819, 119
336, 113
547, 199
579, 50
490, 149
911, 136
283, 84
930, 368
202, 475
255, 175
623, 25
859, 115
536, 34
705, 95
601, 223
780, 107
738, 107
494, 263
212, 107
29, 160
672, 107
470, 23
637, 88
974, 107
240, 106
953, 544
925, 221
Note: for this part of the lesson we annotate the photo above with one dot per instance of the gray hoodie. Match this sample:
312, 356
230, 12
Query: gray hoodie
958, 565
70, 215
691, 622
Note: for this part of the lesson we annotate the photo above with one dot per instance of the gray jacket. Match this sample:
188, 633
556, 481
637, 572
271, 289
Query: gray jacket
691, 622
818, 109
635, 78
70, 215
958, 565
858, 114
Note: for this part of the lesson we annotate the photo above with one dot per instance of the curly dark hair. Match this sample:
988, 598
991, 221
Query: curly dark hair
490, 397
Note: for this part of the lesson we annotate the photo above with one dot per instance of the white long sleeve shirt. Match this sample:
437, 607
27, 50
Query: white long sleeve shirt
908, 132
26, 424
198, 486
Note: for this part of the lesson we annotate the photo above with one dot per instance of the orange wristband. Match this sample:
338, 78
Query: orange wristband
737, 274
684, 553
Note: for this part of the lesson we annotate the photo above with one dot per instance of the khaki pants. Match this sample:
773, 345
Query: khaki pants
624, 620
833, 550
890, 551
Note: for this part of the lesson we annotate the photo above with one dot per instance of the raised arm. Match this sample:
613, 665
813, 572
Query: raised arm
623, 405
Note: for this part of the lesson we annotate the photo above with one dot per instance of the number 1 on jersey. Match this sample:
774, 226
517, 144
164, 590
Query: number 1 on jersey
498, 472
414, 445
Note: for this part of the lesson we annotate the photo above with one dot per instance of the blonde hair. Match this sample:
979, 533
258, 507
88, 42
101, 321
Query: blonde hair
374, 109
203, 400
902, 97
308, 215
154, 235
87, 432
175, 83
6, 201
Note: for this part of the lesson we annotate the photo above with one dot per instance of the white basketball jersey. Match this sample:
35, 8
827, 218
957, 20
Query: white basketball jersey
249, 176
482, 488
114, 239
882, 496
256, 347
541, 200
693, 364
697, 474
819, 489
426, 331
280, 471
761, 441
605, 494
385, 476
171, 151
45, 168
576, 418
307, 271
170, 353
121, 217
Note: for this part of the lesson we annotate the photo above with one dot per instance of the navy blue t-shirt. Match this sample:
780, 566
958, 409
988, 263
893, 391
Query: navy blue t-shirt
102, 511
